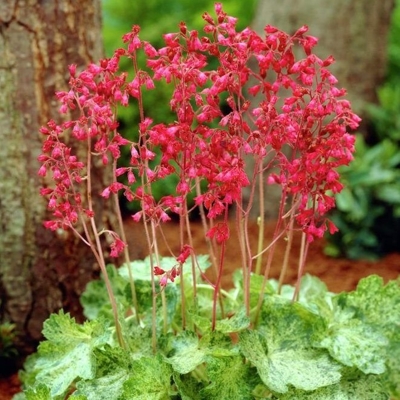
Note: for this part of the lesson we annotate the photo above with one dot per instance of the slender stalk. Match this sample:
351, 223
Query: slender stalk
150, 243
246, 251
100, 256
217, 287
261, 223
246, 276
302, 262
96, 247
126, 252
192, 257
163, 297
206, 227
276, 235
182, 284
109, 289
287, 252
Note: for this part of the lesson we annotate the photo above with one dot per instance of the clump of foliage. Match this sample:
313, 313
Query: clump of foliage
323, 346
368, 208
160, 328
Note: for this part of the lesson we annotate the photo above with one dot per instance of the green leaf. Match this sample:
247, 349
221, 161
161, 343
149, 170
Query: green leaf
188, 351
187, 354
375, 303
230, 379
150, 380
41, 392
361, 388
67, 354
19, 396
389, 193
188, 387
113, 368
140, 270
357, 344
392, 375
108, 387
95, 300
280, 368
256, 284
236, 323
299, 324
282, 350
313, 294
138, 338
378, 306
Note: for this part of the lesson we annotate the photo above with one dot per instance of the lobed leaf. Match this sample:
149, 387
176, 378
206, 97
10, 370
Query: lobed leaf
281, 367
230, 379
150, 380
356, 344
67, 354
187, 353
361, 388
95, 300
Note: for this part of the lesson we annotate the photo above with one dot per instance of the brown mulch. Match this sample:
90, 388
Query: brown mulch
339, 274
9, 386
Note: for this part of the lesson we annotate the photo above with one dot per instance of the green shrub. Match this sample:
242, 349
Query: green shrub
368, 208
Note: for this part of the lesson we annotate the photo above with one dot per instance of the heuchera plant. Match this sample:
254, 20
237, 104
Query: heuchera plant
164, 330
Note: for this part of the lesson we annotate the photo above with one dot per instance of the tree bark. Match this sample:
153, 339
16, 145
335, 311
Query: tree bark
355, 32
40, 272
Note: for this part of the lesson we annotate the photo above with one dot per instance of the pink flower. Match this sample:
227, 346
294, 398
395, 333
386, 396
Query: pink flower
220, 232
158, 271
117, 247
163, 281
184, 254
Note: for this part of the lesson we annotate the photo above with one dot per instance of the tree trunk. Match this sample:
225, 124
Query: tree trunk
40, 272
355, 32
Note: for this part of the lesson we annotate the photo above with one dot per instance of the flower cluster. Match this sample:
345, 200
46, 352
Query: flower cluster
283, 109
166, 275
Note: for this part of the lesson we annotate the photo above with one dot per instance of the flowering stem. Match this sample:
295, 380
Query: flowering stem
100, 259
151, 242
99, 253
276, 235
182, 284
261, 223
192, 258
302, 262
209, 242
217, 287
126, 252
287, 252
246, 273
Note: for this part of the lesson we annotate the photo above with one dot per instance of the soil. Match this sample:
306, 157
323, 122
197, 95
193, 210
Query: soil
338, 274
9, 386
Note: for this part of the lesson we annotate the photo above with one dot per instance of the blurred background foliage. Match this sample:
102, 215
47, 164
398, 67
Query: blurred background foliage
368, 209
